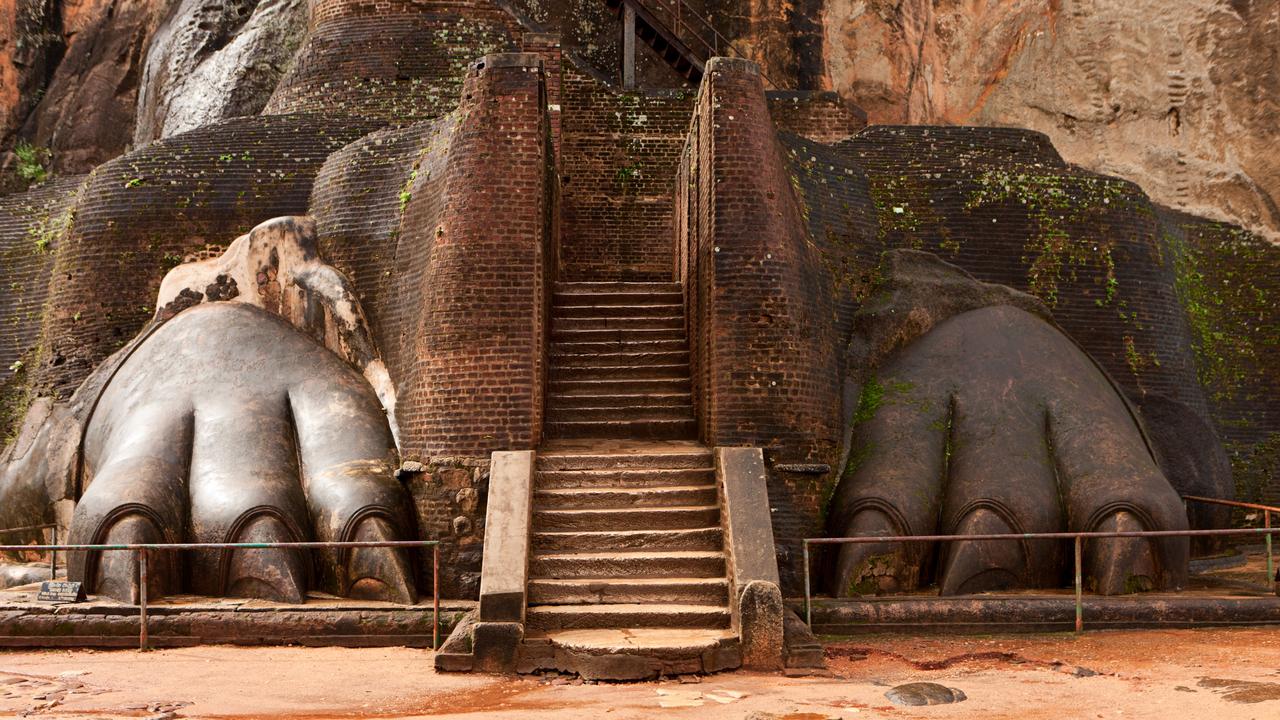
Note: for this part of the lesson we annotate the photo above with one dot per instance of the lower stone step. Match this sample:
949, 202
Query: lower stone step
646, 564
709, 539
668, 456
623, 429
633, 477
615, 498
631, 654
625, 615
664, 518
586, 591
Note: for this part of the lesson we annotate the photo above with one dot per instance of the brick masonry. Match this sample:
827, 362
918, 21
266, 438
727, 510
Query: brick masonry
31, 224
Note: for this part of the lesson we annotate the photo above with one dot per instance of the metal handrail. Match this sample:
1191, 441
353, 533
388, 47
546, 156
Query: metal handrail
1077, 537
677, 10
53, 537
1266, 520
141, 548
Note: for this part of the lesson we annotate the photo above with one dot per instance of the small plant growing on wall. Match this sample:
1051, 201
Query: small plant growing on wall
32, 163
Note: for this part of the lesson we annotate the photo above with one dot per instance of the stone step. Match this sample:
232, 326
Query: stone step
665, 518
617, 336
709, 539
616, 498
615, 286
622, 477
596, 591
623, 429
612, 346
618, 359
620, 401
631, 654
604, 414
625, 615
639, 322
625, 386
648, 563
617, 311
633, 372
677, 456
617, 297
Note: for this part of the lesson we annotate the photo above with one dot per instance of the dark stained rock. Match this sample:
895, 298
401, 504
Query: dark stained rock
924, 693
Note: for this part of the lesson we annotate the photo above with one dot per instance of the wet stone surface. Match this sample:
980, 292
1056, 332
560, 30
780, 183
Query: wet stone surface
924, 693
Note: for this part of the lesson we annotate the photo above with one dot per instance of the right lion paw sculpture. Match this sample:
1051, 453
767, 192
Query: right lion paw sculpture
994, 422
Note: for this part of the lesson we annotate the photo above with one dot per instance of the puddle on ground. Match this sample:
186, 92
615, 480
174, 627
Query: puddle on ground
1242, 691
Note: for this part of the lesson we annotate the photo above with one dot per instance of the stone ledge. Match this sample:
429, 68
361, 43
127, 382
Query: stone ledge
188, 621
1037, 613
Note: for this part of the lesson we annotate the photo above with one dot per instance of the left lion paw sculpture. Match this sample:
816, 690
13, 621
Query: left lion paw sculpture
239, 415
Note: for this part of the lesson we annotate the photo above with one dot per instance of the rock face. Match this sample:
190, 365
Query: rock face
1180, 97
210, 61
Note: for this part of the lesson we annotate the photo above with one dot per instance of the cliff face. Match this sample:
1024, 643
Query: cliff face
1180, 96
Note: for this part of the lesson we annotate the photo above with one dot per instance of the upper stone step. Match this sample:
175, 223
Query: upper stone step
614, 498
624, 297
575, 349
625, 615
563, 359
653, 321
617, 311
652, 429
621, 386
616, 286
621, 401
617, 336
609, 372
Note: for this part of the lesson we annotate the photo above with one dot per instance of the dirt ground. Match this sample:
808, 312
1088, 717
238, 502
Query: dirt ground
1220, 674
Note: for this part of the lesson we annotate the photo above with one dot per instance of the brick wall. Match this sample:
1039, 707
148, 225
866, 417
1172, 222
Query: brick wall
1228, 282
141, 214
619, 153
31, 227
817, 115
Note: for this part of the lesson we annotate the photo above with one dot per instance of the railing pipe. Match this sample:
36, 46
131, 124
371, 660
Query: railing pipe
1266, 522
141, 550
1077, 537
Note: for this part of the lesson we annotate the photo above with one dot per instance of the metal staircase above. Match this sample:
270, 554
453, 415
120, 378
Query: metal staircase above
680, 35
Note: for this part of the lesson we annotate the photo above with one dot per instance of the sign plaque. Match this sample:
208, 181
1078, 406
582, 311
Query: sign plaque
60, 591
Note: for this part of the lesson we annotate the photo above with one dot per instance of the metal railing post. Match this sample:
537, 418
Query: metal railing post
142, 596
435, 596
1271, 563
808, 610
53, 555
1079, 586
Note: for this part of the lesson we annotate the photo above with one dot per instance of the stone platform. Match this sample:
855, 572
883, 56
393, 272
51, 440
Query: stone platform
183, 621
1039, 612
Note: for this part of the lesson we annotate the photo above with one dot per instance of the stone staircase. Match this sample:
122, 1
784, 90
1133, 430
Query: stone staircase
627, 575
619, 362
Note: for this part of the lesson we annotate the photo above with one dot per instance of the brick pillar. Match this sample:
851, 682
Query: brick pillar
480, 343
767, 346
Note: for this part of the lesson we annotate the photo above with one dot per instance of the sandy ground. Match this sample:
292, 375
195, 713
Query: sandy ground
1220, 674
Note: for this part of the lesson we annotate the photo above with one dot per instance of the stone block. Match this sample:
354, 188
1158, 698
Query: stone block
496, 645
504, 575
